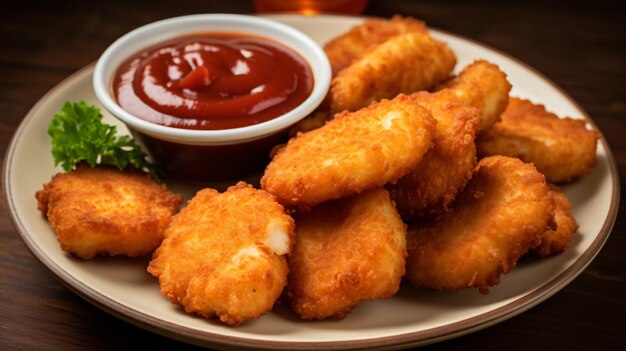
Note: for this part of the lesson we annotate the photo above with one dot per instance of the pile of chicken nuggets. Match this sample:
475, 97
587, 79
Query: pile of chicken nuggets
404, 172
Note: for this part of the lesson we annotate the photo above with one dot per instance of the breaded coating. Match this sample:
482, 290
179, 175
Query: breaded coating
502, 213
352, 45
556, 241
105, 211
403, 64
484, 86
224, 254
347, 251
561, 148
447, 167
352, 153
363, 38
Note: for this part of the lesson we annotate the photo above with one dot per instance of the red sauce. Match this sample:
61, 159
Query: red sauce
212, 81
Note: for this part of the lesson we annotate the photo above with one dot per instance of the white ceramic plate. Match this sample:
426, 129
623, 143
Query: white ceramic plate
122, 286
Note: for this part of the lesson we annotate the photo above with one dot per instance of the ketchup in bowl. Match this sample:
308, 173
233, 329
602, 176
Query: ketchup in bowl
212, 81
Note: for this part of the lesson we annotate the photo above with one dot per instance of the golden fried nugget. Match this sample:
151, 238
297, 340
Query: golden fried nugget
105, 211
348, 47
347, 251
484, 86
352, 153
224, 254
557, 240
446, 168
363, 38
403, 64
561, 148
502, 213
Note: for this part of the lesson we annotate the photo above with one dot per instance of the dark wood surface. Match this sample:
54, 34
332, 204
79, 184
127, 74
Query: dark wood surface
579, 45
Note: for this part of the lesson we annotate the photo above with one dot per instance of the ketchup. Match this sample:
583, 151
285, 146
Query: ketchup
213, 80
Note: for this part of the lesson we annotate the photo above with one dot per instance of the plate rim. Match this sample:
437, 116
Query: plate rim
426, 336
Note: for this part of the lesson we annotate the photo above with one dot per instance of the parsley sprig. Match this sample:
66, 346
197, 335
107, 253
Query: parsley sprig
78, 134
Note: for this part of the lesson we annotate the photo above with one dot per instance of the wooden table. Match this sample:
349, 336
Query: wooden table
579, 46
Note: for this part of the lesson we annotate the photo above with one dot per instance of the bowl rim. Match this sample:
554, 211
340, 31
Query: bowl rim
316, 58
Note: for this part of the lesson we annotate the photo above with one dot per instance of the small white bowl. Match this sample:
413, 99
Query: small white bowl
157, 32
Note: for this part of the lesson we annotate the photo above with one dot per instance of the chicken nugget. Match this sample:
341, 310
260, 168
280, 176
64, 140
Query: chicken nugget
352, 153
446, 168
484, 86
403, 64
502, 213
557, 240
352, 45
561, 148
224, 254
363, 38
105, 211
347, 251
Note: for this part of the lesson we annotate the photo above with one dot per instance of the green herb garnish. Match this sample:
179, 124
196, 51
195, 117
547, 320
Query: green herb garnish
78, 134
